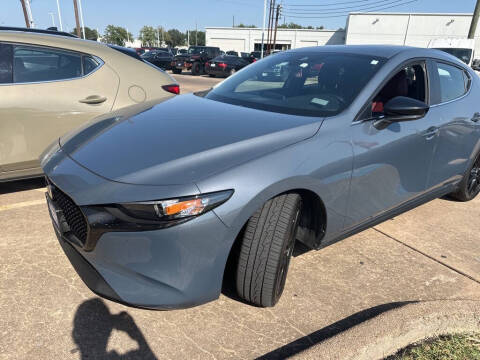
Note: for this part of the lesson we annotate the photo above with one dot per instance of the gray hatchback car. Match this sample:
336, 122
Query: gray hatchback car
310, 145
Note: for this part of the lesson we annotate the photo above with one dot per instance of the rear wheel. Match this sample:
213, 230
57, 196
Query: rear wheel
266, 248
470, 185
177, 71
196, 68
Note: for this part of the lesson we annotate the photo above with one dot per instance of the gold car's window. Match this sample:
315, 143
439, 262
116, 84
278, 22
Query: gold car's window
89, 64
36, 64
5, 63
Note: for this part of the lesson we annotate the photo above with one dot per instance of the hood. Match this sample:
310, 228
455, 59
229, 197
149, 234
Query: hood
182, 140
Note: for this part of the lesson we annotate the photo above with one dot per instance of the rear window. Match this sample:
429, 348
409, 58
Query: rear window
463, 54
307, 84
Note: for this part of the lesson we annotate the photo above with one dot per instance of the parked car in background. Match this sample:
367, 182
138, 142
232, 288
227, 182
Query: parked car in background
140, 51
194, 59
224, 65
231, 52
150, 203
50, 84
251, 57
162, 59
182, 51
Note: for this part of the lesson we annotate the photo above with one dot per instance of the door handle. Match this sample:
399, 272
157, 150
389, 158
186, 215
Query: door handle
430, 132
476, 117
93, 99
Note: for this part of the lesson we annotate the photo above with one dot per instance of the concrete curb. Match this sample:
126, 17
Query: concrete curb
393, 330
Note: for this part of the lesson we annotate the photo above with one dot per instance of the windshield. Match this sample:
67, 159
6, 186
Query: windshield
195, 49
463, 54
299, 83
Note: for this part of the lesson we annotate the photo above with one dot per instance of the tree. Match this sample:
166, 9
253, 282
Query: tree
148, 36
175, 38
116, 35
242, 25
200, 38
90, 34
296, 26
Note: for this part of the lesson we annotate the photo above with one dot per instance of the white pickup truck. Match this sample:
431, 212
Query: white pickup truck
464, 49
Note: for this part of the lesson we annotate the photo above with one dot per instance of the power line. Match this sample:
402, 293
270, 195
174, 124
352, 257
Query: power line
321, 5
346, 13
330, 10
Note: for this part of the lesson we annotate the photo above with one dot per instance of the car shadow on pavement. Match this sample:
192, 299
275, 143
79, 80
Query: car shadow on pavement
22, 185
92, 326
329, 331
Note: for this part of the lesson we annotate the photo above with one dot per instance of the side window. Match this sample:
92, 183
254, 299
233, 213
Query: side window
409, 82
33, 64
6, 72
89, 64
454, 82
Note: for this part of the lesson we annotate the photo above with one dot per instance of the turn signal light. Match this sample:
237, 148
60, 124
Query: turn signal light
174, 88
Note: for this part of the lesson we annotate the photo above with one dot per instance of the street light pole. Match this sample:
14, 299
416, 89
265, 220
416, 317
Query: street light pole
263, 27
29, 12
53, 18
81, 18
77, 21
59, 15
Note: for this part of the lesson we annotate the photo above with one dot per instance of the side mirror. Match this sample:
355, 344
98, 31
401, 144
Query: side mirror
402, 108
476, 65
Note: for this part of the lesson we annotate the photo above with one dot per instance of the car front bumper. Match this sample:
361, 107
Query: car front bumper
169, 268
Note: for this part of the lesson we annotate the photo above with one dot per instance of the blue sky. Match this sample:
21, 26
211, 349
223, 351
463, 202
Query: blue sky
183, 14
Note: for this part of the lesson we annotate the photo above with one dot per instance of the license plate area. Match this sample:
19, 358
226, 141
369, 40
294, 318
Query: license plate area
212, 65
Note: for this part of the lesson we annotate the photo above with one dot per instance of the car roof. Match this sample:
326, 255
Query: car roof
38, 31
385, 51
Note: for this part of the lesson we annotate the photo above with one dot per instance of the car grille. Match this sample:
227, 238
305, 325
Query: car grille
72, 213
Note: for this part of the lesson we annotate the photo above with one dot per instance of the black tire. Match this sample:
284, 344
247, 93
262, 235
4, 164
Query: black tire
196, 68
211, 75
266, 249
469, 187
177, 71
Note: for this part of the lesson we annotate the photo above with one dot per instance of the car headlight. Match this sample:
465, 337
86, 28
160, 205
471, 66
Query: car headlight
175, 209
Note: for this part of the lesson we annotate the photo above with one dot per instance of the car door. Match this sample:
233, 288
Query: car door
50, 92
391, 161
456, 115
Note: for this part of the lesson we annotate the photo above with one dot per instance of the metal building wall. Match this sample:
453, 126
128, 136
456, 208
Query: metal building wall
406, 29
244, 39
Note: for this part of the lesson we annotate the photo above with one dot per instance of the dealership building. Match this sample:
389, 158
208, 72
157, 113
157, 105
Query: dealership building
250, 39
414, 29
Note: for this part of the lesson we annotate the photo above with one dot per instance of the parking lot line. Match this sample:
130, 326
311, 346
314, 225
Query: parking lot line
21, 204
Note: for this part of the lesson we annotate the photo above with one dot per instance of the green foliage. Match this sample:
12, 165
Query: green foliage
175, 38
148, 36
90, 34
116, 35
450, 347
200, 39
242, 25
297, 26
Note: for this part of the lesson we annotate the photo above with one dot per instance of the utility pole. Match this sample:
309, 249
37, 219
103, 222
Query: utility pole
59, 15
263, 27
270, 23
81, 18
188, 38
77, 21
29, 13
196, 34
473, 24
128, 36
233, 21
25, 14
279, 8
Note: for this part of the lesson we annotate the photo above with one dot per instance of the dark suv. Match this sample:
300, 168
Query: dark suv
194, 59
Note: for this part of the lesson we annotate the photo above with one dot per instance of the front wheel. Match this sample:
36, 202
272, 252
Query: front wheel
196, 68
470, 185
266, 248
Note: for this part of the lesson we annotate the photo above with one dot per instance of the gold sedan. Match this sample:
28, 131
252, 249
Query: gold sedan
50, 84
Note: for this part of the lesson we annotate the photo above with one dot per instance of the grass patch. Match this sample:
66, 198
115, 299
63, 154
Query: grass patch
448, 347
